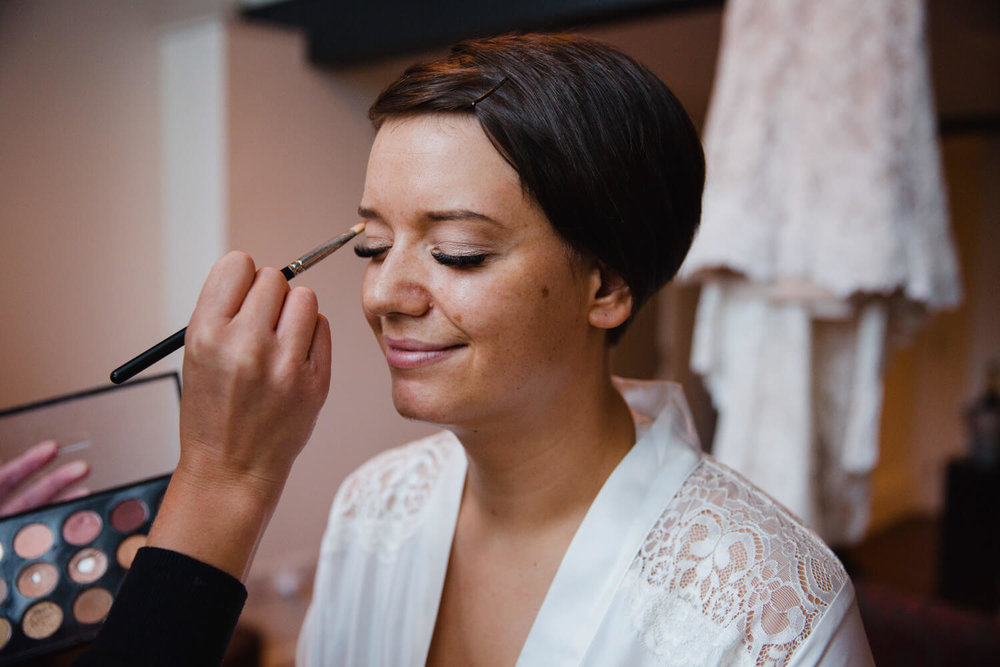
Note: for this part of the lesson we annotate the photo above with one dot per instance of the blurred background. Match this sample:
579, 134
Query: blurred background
141, 139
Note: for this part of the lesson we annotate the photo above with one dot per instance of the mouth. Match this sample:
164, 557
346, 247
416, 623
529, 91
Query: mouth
406, 353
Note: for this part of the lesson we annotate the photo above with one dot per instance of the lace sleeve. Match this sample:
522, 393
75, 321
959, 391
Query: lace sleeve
730, 576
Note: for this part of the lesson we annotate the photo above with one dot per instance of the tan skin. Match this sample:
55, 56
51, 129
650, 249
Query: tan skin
506, 349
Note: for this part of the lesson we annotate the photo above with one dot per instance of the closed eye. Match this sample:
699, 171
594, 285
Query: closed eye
458, 261
366, 252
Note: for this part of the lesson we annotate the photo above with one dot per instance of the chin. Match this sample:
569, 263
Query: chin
419, 404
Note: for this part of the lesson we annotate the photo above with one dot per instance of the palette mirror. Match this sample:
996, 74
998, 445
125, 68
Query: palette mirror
61, 564
126, 433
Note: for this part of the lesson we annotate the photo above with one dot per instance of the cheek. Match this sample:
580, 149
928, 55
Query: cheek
488, 305
521, 313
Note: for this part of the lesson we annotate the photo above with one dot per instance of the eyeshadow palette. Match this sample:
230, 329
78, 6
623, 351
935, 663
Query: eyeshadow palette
61, 566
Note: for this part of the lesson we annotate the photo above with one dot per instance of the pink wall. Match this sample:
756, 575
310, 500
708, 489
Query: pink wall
80, 200
298, 144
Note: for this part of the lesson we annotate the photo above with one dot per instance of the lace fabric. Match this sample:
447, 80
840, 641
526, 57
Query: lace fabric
679, 561
822, 157
381, 504
724, 569
727, 576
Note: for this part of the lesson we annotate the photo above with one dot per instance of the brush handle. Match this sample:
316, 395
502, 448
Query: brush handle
149, 357
176, 342
164, 348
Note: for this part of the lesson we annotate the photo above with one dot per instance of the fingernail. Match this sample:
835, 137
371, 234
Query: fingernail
77, 468
47, 448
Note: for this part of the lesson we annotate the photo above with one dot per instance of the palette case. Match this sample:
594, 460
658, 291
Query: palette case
62, 565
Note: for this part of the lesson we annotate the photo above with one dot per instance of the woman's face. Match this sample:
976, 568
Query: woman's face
480, 308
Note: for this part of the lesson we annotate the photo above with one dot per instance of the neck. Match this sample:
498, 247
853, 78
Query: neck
547, 465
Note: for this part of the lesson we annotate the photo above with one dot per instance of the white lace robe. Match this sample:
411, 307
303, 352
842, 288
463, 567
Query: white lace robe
679, 561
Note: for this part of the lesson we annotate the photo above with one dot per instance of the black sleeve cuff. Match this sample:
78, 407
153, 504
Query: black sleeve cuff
171, 610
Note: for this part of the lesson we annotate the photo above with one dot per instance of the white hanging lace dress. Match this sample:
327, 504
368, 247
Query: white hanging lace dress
824, 229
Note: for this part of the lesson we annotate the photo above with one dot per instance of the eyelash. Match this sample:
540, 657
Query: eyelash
366, 252
457, 261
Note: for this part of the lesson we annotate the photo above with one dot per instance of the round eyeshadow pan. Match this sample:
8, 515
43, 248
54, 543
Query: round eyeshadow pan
37, 579
82, 527
3, 590
33, 540
5, 632
42, 620
92, 605
129, 514
128, 548
87, 566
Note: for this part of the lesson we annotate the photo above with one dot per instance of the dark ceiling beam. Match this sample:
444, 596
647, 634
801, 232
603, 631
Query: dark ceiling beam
350, 32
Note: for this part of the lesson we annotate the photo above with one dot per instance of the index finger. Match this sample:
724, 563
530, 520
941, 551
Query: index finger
225, 287
46, 489
25, 465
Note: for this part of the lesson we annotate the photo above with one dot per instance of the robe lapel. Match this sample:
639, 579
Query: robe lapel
611, 535
437, 551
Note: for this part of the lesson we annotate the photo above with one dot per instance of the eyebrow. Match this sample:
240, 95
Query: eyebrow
435, 216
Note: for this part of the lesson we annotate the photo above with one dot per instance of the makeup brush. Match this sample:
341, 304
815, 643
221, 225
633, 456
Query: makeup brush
176, 342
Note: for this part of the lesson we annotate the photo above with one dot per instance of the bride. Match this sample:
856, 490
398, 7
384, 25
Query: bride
524, 196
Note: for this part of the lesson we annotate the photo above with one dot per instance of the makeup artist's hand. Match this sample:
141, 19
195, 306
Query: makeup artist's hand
59, 484
256, 372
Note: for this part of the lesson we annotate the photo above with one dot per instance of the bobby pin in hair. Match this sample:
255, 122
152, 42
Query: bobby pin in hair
488, 93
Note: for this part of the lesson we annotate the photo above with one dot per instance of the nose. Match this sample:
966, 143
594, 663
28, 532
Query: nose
396, 285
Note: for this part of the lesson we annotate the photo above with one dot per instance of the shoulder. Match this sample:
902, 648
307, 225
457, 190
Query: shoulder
728, 559
384, 499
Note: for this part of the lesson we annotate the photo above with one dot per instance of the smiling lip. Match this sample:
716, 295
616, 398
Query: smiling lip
408, 353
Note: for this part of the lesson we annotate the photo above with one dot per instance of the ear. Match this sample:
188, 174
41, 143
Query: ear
611, 304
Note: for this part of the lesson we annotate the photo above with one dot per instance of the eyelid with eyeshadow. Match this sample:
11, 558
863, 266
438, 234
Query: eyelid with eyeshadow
446, 259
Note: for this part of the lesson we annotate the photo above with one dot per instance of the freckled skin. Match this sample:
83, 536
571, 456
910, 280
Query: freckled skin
518, 351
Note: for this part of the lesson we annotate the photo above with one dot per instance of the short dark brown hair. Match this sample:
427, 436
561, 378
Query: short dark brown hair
601, 144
